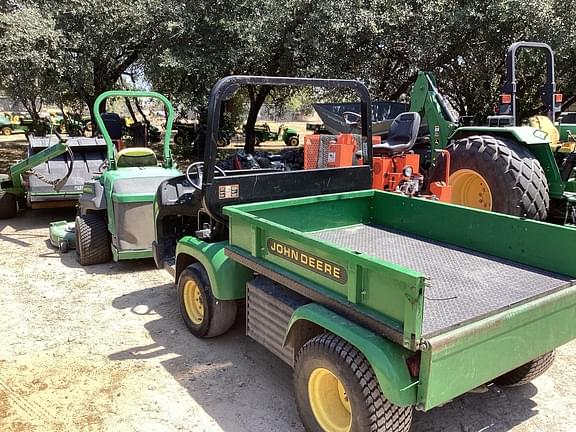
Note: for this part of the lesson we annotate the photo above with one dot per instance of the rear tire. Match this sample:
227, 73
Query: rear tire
293, 141
496, 174
336, 389
92, 239
204, 315
179, 139
8, 205
527, 372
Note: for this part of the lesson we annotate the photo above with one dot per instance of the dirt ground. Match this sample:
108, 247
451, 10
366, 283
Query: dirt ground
103, 348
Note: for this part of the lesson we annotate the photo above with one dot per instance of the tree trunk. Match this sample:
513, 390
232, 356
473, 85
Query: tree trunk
130, 109
256, 102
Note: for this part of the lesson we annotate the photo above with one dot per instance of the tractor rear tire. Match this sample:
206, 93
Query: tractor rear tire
527, 372
204, 315
336, 389
8, 205
496, 174
92, 239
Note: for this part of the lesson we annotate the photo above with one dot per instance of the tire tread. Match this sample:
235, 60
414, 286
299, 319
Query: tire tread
384, 416
527, 372
92, 239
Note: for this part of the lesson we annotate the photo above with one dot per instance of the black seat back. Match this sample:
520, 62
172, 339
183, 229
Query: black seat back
402, 135
113, 124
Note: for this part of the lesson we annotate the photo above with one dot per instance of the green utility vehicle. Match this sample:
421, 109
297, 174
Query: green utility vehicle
13, 123
380, 302
503, 167
288, 135
115, 208
187, 132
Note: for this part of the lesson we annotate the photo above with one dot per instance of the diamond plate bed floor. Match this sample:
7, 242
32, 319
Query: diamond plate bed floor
464, 285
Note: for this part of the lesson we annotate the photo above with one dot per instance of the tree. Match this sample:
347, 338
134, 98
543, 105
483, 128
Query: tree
28, 57
82, 45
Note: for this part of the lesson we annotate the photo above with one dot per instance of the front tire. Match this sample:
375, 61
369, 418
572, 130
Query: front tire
336, 390
527, 372
8, 205
204, 315
92, 239
496, 174
6, 131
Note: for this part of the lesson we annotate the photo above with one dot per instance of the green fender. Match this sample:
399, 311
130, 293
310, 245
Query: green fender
535, 140
227, 278
388, 360
524, 134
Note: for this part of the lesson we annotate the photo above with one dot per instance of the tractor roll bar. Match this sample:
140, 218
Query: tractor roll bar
549, 88
226, 87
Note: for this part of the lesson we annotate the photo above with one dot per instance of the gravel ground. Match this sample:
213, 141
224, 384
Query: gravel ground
104, 349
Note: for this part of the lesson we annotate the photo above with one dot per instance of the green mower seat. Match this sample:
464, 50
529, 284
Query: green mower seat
136, 157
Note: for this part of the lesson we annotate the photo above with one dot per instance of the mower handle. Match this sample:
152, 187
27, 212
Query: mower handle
138, 94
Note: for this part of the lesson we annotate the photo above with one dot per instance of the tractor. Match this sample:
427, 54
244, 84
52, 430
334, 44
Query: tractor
10, 123
115, 208
503, 167
288, 135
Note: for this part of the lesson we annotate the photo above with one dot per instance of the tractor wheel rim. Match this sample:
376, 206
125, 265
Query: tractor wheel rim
329, 402
193, 302
470, 189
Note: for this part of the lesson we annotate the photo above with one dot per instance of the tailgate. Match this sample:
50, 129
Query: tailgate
460, 360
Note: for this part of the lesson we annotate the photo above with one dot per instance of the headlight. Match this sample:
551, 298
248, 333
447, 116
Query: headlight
407, 171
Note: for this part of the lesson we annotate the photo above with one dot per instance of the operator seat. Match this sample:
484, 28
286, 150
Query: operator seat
136, 157
402, 135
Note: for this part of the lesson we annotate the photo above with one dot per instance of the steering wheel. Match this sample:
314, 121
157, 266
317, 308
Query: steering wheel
199, 167
351, 118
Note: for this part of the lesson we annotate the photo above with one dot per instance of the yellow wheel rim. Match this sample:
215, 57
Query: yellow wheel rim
470, 189
329, 401
193, 302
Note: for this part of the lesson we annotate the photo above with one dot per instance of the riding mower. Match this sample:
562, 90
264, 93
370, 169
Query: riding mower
115, 208
10, 123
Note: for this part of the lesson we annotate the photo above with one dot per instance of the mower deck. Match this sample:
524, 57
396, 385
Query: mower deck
463, 285
89, 154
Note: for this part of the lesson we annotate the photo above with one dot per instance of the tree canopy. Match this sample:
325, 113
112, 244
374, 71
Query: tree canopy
80, 48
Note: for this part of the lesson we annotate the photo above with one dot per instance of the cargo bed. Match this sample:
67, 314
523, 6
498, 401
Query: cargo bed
477, 294
408, 268
463, 285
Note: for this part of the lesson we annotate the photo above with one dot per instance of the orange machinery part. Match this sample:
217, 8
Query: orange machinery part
341, 151
442, 189
388, 170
